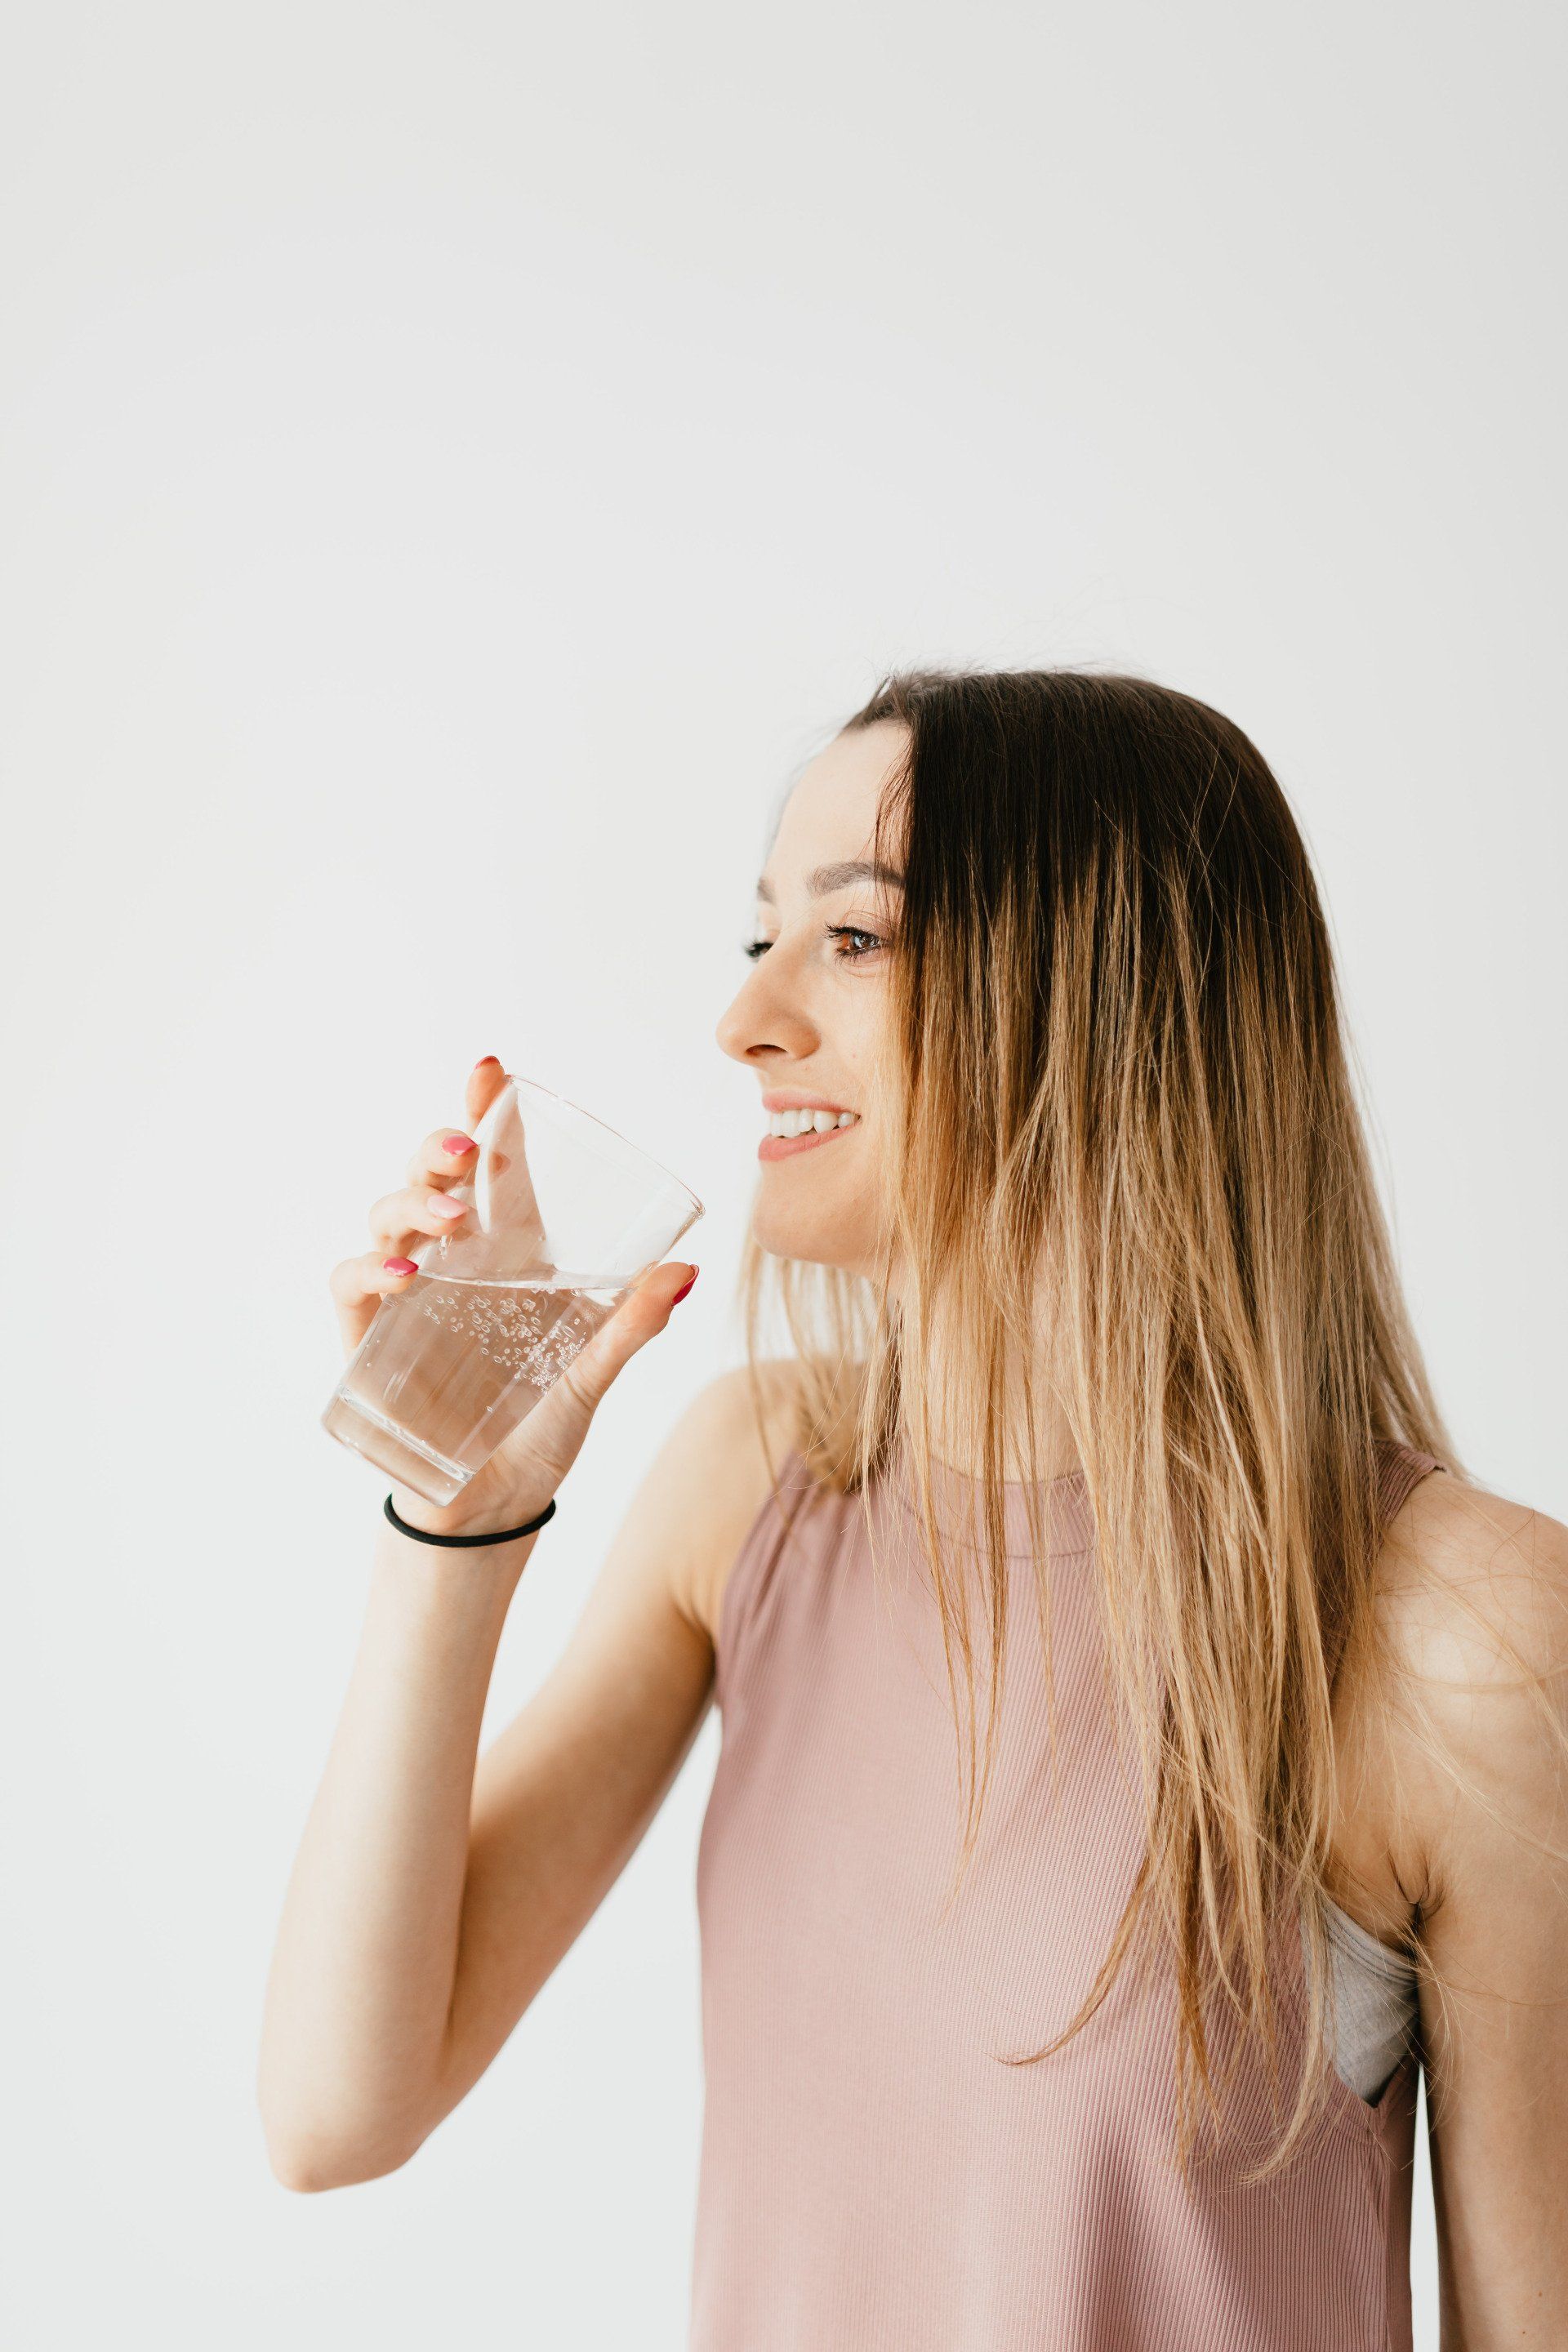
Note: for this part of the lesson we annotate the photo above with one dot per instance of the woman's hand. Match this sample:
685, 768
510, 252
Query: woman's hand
524, 1471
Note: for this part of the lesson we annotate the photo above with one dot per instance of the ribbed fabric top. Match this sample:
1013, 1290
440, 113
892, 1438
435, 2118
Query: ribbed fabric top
872, 2176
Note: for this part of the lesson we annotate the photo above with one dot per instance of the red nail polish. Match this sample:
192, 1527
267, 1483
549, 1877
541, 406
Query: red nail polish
457, 1145
686, 1286
485, 1061
398, 1265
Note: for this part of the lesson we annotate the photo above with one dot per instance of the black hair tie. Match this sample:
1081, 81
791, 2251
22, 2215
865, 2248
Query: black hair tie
458, 1543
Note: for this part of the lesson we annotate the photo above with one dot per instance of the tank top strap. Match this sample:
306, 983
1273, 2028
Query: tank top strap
1404, 1467
793, 1520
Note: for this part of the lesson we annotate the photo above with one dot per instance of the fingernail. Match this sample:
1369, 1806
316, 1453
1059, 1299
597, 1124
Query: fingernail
457, 1145
398, 1265
485, 1060
685, 1285
443, 1207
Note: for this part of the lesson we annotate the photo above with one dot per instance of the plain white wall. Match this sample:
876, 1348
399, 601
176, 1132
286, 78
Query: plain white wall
455, 462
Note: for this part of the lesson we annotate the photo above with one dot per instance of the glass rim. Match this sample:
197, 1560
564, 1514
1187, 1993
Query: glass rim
534, 1086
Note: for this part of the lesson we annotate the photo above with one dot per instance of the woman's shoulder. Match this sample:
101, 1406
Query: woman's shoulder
730, 1447
1461, 1702
1464, 1571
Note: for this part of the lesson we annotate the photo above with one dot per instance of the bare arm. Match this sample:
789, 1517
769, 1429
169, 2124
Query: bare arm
433, 1897
1481, 1749
563, 1794
361, 1969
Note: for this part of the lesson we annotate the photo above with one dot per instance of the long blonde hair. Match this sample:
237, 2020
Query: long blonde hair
1117, 1080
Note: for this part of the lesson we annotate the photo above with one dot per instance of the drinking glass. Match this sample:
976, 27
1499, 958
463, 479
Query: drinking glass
564, 1216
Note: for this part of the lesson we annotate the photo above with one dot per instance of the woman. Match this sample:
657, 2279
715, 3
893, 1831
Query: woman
1142, 1745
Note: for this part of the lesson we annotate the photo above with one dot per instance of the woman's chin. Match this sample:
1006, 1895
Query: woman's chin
815, 1241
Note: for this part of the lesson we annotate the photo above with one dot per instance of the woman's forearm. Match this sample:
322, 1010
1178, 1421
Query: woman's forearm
363, 1969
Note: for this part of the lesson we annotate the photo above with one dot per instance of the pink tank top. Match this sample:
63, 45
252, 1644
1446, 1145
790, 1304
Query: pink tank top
872, 2179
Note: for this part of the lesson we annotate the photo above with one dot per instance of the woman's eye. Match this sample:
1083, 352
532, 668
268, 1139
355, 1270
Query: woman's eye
859, 943
853, 932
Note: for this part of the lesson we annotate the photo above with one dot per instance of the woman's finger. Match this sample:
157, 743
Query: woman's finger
418, 1211
446, 1154
359, 1284
445, 1157
414, 1214
485, 1080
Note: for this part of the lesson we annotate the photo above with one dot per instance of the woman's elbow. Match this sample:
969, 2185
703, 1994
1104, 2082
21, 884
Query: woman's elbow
308, 2165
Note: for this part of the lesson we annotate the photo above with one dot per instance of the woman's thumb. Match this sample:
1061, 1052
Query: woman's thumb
659, 1293
640, 1316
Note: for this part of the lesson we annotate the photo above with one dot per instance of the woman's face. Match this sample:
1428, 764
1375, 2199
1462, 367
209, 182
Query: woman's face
810, 1017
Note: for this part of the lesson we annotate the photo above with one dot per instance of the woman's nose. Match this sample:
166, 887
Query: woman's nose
763, 1014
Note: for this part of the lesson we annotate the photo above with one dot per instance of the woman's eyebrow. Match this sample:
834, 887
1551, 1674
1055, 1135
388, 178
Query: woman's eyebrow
824, 878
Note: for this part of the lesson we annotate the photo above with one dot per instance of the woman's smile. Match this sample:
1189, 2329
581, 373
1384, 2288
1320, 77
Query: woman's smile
798, 1122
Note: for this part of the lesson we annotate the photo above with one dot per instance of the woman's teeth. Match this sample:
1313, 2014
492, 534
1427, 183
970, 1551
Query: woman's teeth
802, 1122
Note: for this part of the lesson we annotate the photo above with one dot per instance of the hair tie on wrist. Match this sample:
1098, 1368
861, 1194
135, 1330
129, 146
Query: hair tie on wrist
458, 1543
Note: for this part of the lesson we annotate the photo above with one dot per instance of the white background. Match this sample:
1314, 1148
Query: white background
456, 462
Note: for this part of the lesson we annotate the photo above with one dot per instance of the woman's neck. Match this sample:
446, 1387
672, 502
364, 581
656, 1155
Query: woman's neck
956, 1421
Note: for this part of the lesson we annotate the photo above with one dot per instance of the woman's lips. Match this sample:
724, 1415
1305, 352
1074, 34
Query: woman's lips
784, 1147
